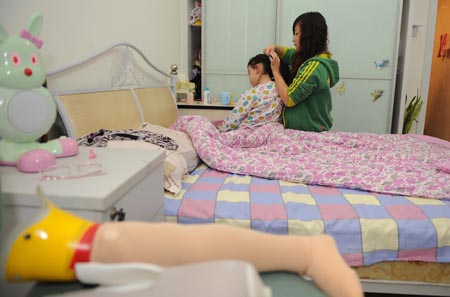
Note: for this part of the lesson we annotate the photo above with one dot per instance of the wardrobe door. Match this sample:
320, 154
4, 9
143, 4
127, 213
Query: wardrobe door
233, 32
363, 38
360, 105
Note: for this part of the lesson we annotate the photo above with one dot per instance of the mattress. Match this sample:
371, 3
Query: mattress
413, 230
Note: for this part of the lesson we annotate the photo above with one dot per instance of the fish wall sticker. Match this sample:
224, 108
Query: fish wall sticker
381, 63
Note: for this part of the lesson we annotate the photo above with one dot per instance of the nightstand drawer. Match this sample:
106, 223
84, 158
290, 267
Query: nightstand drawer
133, 182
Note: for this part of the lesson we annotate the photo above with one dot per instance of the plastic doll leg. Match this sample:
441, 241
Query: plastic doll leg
61, 147
168, 244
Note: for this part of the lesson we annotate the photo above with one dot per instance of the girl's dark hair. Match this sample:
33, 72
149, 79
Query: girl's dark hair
313, 38
265, 61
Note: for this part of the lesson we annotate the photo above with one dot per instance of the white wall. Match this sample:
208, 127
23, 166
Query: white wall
412, 59
418, 59
74, 29
417, 45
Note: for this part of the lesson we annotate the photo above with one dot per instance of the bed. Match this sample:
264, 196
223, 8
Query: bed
397, 236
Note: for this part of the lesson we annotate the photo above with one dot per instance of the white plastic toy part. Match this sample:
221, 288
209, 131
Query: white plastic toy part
119, 274
223, 278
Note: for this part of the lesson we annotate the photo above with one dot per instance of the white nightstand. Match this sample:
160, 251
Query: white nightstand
133, 182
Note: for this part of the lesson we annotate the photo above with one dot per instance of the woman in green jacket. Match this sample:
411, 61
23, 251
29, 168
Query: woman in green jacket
307, 97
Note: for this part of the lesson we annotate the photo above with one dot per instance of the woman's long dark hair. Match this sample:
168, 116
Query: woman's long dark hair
265, 61
313, 38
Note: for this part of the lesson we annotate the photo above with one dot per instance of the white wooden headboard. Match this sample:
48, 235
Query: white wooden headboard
87, 111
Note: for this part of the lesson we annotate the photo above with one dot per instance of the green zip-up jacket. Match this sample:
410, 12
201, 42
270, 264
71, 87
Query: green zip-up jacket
309, 106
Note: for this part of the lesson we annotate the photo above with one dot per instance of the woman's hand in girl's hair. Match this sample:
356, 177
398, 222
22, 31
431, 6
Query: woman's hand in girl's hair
269, 49
274, 61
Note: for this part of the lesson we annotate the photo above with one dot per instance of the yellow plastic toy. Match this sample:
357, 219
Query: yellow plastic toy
63, 237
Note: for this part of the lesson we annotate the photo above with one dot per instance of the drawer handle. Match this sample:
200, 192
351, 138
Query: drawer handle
117, 214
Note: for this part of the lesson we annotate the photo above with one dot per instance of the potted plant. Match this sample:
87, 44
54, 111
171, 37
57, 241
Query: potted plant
411, 112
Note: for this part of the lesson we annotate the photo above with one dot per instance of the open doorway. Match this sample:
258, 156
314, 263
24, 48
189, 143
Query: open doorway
437, 118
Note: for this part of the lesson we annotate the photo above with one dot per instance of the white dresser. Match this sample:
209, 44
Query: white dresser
133, 182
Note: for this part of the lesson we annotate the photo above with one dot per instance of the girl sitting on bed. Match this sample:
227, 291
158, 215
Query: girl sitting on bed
260, 104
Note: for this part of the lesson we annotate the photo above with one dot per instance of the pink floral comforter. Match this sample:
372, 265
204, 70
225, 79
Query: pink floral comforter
388, 163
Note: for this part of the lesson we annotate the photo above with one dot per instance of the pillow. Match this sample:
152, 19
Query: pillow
178, 162
185, 147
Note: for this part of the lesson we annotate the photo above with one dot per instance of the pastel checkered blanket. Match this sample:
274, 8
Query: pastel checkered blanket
389, 163
368, 227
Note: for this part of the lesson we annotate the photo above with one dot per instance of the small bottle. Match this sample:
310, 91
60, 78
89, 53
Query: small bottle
190, 97
206, 96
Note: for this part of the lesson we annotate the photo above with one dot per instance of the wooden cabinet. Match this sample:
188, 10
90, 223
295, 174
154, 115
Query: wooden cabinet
194, 44
234, 31
363, 38
361, 32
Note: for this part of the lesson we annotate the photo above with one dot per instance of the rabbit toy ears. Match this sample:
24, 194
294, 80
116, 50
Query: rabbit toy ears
20, 58
3, 34
31, 32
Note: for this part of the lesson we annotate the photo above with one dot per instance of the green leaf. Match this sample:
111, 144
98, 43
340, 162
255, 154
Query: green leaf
412, 111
